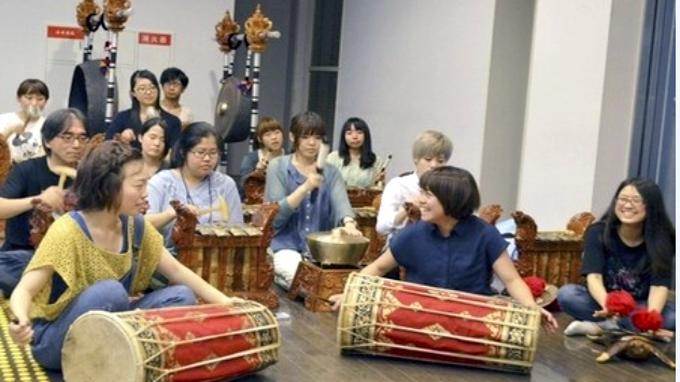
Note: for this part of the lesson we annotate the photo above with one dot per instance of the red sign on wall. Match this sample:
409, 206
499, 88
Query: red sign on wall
149, 38
72, 33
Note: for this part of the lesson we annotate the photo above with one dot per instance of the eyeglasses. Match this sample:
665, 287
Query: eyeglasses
634, 200
173, 83
203, 153
69, 138
146, 89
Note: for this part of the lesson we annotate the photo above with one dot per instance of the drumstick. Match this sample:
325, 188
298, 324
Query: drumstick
64, 172
223, 207
207, 210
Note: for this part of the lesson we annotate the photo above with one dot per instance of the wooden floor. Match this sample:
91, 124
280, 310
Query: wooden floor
309, 354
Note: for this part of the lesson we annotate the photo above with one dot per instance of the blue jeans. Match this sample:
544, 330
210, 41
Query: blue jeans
107, 295
12, 265
576, 301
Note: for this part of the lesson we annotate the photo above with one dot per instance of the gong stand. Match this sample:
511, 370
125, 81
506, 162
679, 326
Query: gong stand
89, 16
116, 13
229, 40
258, 31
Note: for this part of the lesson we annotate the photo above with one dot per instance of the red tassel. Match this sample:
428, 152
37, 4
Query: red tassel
620, 302
536, 285
647, 320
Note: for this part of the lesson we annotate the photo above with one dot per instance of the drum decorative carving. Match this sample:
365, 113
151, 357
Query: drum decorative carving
233, 259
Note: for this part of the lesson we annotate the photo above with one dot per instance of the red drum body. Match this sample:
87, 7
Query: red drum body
192, 343
404, 320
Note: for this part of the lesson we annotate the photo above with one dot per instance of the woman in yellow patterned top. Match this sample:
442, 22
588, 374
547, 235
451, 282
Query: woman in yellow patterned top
99, 257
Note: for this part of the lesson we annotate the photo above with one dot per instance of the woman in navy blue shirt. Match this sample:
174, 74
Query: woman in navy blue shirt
450, 247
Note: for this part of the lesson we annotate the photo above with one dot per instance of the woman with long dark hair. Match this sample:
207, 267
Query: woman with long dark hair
631, 248
144, 92
355, 159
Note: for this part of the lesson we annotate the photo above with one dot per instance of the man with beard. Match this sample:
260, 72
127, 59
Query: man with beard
21, 129
64, 137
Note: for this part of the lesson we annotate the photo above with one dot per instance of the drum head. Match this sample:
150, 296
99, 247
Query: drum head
99, 346
88, 94
232, 112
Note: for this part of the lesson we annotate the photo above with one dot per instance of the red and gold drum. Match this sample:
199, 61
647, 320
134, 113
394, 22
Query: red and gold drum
393, 318
189, 343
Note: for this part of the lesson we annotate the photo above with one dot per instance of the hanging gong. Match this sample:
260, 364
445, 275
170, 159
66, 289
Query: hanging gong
232, 112
88, 94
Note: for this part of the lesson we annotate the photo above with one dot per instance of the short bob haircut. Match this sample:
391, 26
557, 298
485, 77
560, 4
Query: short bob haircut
368, 157
59, 121
306, 124
171, 74
455, 188
143, 73
432, 144
100, 176
266, 125
157, 121
33, 86
188, 139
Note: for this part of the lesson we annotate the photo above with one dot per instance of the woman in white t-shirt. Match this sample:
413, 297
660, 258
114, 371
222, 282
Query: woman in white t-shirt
21, 129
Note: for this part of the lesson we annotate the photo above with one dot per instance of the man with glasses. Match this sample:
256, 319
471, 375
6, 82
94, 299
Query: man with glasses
174, 82
64, 137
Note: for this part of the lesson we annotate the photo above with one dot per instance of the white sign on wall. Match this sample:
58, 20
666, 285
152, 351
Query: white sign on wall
135, 50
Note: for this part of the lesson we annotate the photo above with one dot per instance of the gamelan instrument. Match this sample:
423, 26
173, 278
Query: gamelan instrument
232, 258
334, 256
404, 320
552, 255
188, 343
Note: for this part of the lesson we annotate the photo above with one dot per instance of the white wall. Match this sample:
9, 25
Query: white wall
618, 101
407, 66
564, 108
24, 45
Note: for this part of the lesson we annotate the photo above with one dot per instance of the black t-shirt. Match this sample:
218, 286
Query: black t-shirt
623, 267
28, 178
129, 119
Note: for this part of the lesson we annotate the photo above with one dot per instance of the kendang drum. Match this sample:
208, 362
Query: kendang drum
189, 343
404, 320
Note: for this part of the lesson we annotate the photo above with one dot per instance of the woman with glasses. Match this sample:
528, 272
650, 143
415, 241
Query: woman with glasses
631, 248
144, 92
193, 181
154, 144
